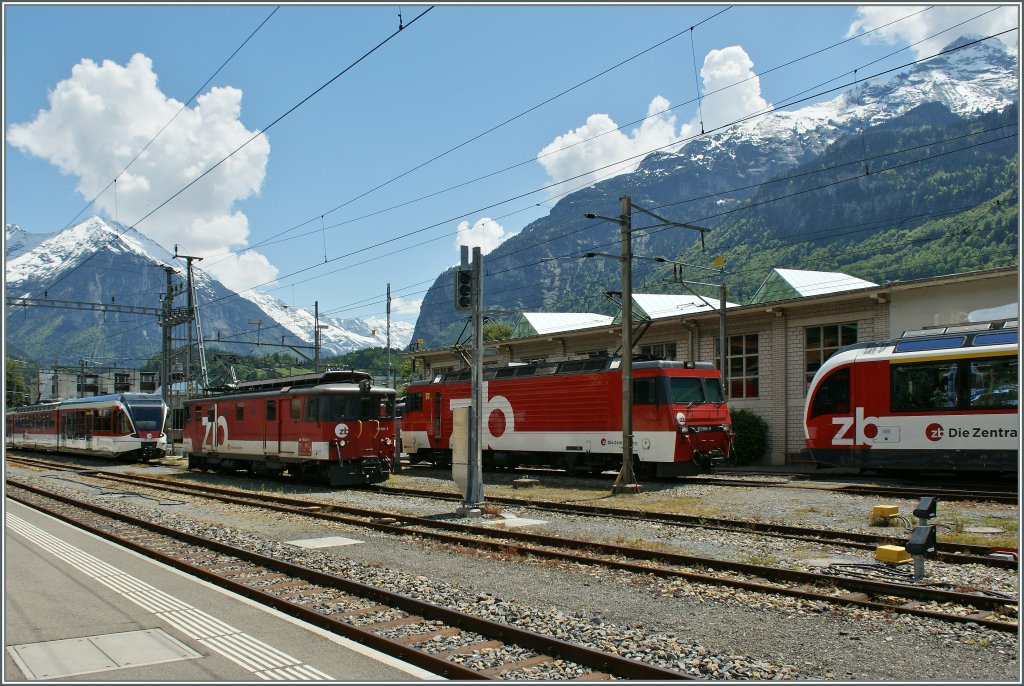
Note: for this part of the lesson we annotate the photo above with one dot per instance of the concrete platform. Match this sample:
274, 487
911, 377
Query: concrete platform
78, 607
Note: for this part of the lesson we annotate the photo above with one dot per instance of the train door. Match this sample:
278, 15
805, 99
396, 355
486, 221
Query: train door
437, 416
87, 429
272, 428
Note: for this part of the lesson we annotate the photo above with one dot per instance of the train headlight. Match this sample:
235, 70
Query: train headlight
387, 442
680, 418
342, 442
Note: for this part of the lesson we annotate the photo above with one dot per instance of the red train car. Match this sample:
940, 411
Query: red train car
333, 426
120, 425
568, 415
931, 401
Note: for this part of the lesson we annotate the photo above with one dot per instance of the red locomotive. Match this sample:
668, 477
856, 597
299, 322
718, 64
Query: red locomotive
334, 426
938, 400
568, 415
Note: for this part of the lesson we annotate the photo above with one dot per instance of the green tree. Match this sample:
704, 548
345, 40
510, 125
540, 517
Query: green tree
497, 331
15, 387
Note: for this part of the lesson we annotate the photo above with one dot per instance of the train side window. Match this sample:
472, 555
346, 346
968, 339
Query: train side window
296, 408
210, 414
833, 394
414, 402
239, 411
312, 409
645, 392
993, 383
271, 410
924, 386
188, 414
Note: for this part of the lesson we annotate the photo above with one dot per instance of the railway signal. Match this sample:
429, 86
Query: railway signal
464, 289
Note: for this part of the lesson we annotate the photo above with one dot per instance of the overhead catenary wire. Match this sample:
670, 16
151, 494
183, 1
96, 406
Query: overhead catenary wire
402, 237
299, 104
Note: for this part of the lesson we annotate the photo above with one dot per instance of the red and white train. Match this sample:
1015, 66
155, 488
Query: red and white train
334, 426
568, 415
121, 425
939, 400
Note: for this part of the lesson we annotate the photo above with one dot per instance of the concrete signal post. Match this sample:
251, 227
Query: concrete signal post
469, 297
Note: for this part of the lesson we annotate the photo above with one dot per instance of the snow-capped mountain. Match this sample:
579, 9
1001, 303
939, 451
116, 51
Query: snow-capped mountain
101, 261
709, 175
18, 241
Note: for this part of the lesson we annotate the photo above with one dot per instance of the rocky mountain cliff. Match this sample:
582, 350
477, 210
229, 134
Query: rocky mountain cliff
706, 181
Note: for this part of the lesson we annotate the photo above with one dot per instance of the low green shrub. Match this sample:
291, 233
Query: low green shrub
751, 436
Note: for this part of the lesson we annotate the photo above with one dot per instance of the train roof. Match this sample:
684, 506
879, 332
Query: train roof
591, 365
331, 376
945, 338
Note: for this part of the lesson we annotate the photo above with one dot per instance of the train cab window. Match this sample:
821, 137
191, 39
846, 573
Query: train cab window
271, 410
686, 390
713, 391
239, 411
833, 395
385, 407
414, 402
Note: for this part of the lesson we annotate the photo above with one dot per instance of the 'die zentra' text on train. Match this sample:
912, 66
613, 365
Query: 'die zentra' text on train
568, 415
931, 401
334, 426
120, 425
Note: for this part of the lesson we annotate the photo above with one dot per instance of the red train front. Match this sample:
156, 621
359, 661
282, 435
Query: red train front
334, 426
568, 415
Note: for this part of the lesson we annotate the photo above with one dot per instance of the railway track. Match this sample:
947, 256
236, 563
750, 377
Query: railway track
952, 553
447, 642
905, 598
994, 493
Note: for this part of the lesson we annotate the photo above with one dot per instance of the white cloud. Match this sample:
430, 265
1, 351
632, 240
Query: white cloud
402, 306
485, 234
568, 158
924, 24
104, 114
609, 152
733, 89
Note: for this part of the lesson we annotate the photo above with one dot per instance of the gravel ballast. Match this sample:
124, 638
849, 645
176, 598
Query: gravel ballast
709, 631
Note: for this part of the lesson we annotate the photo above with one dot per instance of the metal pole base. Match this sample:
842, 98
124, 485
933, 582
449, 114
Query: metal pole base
627, 488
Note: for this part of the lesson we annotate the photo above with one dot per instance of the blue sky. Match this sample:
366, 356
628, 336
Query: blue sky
334, 202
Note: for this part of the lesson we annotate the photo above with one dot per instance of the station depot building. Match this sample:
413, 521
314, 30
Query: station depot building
795, 321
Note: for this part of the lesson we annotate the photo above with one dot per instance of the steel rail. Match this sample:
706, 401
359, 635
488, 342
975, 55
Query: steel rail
876, 588
546, 645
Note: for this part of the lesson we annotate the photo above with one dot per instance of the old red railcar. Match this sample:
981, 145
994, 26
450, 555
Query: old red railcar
334, 426
568, 415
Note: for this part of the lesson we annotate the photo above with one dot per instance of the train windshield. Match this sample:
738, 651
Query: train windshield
336, 408
147, 416
686, 390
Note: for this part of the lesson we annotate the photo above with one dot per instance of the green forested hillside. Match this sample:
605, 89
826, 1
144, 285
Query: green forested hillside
939, 196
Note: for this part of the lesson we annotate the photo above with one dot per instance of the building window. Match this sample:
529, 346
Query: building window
589, 354
147, 382
121, 383
743, 365
661, 351
820, 342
